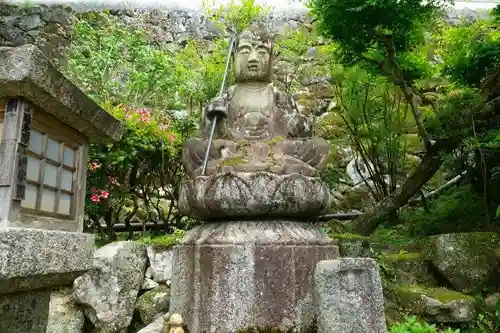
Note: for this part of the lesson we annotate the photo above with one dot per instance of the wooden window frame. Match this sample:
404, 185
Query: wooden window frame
50, 127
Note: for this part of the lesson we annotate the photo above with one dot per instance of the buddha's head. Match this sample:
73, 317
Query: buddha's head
252, 55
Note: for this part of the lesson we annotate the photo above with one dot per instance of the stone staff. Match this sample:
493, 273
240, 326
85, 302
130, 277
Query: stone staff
214, 120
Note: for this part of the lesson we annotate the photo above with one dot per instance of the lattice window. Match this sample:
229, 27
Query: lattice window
51, 175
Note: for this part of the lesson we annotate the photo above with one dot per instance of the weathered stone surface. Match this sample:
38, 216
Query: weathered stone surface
155, 327
247, 195
354, 246
109, 291
25, 312
436, 304
235, 275
160, 261
33, 259
153, 303
349, 298
149, 284
65, 316
410, 269
26, 72
469, 261
490, 302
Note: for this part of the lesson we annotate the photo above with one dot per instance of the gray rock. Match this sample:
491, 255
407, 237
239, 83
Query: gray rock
30, 22
64, 314
435, 304
110, 289
457, 311
349, 296
153, 303
468, 261
160, 261
155, 327
490, 302
149, 284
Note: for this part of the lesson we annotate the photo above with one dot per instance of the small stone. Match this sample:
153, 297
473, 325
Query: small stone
490, 302
149, 284
349, 296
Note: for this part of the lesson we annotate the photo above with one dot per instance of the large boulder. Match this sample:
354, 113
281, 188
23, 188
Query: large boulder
109, 290
153, 303
468, 261
64, 314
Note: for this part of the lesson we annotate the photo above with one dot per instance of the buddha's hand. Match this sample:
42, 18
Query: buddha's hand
216, 108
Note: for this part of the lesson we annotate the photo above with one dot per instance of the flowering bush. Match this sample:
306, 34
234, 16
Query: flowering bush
138, 174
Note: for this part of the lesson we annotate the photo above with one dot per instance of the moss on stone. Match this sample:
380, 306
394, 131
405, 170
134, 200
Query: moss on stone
275, 140
232, 161
466, 260
413, 292
242, 143
348, 236
406, 256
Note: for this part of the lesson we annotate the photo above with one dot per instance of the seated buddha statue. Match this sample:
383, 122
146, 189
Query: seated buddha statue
259, 128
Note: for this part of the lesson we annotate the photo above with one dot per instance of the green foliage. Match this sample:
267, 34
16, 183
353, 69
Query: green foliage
456, 210
168, 240
471, 51
453, 112
234, 17
375, 117
372, 30
413, 325
112, 62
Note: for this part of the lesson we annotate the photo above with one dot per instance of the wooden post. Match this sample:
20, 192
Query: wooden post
13, 163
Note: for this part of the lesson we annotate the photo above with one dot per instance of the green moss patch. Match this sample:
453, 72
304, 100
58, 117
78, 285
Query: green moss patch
348, 236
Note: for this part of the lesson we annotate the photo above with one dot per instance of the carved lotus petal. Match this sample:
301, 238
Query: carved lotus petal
254, 195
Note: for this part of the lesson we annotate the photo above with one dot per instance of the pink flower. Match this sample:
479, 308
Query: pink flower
95, 198
112, 180
171, 137
94, 190
104, 194
94, 166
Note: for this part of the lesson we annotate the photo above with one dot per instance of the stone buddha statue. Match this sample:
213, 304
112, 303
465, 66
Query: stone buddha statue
259, 128
263, 161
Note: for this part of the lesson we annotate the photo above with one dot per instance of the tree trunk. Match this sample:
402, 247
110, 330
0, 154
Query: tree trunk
369, 221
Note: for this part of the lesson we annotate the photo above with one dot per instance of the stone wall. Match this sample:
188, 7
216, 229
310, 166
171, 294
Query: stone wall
49, 27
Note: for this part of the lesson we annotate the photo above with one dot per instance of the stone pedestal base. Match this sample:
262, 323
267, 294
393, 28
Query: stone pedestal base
236, 275
32, 262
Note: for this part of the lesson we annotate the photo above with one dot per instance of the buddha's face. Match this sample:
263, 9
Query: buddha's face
252, 59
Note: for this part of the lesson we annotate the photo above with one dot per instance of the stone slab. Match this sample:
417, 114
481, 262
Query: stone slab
26, 72
236, 279
348, 295
25, 312
34, 258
